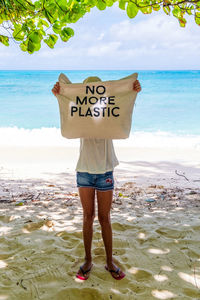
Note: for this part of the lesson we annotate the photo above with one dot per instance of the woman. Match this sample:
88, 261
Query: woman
94, 172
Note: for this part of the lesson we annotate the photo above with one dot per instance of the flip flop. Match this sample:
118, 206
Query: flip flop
117, 272
84, 272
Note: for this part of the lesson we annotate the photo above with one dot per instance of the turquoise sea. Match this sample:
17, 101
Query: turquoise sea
169, 102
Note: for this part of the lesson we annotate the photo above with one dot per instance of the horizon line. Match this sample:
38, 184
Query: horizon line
99, 69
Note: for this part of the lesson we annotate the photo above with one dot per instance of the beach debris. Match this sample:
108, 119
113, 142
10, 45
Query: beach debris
129, 184
117, 200
152, 186
181, 175
68, 202
20, 203
122, 195
191, 193
21, 284
49, 223
5, 200
150, 200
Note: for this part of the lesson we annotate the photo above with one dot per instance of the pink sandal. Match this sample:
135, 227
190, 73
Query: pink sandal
117, 272
84, 272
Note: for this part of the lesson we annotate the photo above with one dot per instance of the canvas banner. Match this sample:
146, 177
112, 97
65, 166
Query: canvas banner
97, 109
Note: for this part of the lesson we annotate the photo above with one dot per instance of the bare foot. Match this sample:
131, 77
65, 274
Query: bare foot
112, 266
86, 266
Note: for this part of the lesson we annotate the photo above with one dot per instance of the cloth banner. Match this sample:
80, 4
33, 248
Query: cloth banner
95, 108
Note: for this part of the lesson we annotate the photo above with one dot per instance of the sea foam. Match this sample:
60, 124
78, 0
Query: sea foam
14, 136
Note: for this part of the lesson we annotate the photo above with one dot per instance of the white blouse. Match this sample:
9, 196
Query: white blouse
96, 156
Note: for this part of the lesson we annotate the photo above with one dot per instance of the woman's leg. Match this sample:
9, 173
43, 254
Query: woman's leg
87, 197
104, 200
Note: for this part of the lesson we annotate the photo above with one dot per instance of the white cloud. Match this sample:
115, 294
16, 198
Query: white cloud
153, 41
103, 49
100, 37
159, 32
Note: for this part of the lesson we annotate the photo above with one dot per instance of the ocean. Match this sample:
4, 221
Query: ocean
166, 113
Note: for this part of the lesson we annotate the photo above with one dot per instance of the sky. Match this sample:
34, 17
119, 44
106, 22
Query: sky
110, 40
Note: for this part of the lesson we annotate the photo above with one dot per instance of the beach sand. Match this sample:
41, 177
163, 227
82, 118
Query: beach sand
155, 221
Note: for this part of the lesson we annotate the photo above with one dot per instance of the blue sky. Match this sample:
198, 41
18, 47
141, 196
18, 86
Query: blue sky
110, 40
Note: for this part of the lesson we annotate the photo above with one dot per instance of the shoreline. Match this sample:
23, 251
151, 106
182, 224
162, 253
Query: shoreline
139, 164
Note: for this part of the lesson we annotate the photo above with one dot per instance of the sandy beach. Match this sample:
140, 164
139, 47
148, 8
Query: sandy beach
155, 220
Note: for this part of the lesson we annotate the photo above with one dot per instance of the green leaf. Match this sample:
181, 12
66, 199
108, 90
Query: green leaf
66, 33
177, 12
30, 47
182, 22
57, 27
131, 10
122, 4
43, 22
51, 41
109, 3
35, 37
37, 4
23, 46
30, 23
49, 16
90, 3
41, 32
166, 9
189, 11
62, 4
101, 5
4, 40
146, 10
197, 18
156, 7
18, 32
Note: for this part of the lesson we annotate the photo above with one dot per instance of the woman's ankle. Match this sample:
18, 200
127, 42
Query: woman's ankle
109, 261
88, 259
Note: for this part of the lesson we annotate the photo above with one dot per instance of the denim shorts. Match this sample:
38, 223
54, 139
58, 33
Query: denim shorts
101, 182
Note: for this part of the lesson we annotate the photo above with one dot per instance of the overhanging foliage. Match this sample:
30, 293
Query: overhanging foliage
27, 22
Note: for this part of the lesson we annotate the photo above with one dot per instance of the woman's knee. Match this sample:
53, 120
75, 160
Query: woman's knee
104, 219
89, 218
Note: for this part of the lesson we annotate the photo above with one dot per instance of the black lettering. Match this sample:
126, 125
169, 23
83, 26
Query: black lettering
110, 99
96, 110
96, 99
116, 107
88, 113
80, 115
73, 109
79, 100
108, 111
103, 99
97, 89
103, 109
89, 88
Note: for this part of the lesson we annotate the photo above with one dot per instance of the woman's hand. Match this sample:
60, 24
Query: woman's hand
136, 86
56, 89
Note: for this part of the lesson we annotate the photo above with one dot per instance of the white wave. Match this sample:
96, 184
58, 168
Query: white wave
14, 136
160, 139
